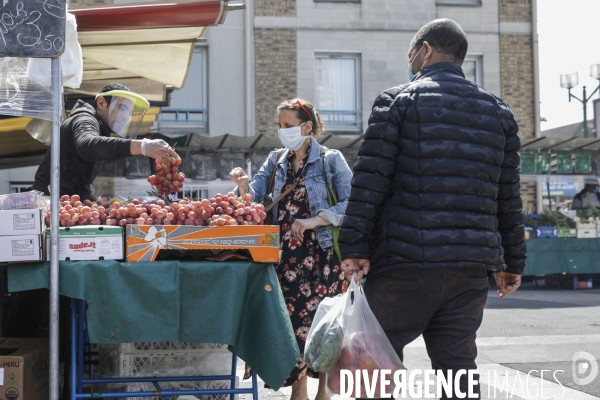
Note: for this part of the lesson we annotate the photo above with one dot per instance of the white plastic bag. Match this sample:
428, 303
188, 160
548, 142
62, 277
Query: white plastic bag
324, 340
365, 347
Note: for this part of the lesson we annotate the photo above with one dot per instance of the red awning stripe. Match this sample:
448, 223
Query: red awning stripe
203, 13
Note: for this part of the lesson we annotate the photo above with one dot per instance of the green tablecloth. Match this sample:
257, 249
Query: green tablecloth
555, 256
235, 303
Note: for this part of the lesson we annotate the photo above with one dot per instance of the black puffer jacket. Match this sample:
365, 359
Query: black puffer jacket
436, 183
84, 140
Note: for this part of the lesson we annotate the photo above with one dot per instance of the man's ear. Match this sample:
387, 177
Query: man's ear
427, 50
100, 103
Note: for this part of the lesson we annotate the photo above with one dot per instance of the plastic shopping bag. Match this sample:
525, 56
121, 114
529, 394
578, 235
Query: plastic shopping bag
366, 350
324, 340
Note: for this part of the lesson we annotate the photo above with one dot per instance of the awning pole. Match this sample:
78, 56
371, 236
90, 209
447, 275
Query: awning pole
54, 206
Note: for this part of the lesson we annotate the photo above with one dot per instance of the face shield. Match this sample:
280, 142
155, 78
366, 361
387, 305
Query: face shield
125, 112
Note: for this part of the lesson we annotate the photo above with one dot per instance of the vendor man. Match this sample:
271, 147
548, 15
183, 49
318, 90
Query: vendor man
588, 197
85, 139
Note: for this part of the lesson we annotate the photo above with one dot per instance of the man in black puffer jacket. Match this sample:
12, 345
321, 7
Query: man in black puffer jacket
435, 204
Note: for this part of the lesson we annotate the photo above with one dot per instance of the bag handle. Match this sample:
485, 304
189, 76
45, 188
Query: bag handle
281, 196
331, 198
271, 185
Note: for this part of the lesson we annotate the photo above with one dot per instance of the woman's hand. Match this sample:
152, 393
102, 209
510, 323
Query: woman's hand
301, 225
238, 176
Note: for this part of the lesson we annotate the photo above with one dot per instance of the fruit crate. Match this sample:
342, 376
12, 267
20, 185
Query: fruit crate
144, 242
132, 359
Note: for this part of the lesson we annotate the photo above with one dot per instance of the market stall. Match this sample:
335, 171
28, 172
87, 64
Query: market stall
235, 303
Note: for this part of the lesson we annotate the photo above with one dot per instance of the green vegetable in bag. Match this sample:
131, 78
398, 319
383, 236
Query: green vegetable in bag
324, 341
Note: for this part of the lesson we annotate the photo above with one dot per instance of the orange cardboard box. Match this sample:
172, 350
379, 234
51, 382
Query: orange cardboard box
145, 241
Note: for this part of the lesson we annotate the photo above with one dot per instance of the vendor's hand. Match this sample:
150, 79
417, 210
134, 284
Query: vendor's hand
360, 266
159, 150
507, 283
301, 225
92, 197
238, 176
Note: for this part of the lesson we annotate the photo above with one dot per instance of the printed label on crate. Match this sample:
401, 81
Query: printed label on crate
145, 241
23, 248
23, 222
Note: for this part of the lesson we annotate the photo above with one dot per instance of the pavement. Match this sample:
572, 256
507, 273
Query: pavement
526, 346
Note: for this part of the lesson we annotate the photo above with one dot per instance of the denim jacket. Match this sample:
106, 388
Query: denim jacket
339, 176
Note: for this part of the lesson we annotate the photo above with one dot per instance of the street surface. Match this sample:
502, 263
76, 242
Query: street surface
537, 329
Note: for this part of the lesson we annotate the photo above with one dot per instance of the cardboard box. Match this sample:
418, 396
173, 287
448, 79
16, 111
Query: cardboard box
21, 222
566, 232
546, 232
23, 369
582, 285
22, 248
78, 243
145, 241
586, 233
589, 225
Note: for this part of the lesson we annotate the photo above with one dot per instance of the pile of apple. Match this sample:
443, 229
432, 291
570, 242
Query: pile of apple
221, 210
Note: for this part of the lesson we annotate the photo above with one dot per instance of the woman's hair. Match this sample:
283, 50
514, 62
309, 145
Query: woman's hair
305, 112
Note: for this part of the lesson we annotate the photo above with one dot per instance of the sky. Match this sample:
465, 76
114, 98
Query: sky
568, 33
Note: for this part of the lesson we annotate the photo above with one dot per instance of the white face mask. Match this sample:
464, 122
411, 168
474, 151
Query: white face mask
292, 138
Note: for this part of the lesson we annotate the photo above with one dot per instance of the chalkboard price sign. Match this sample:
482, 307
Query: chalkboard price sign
32, 28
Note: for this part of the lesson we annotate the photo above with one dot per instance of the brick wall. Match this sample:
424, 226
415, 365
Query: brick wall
516, 62
515, 10
516, 79
276, 74
528, 195
275, 8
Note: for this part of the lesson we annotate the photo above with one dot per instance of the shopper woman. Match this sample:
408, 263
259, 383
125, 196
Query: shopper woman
309, 269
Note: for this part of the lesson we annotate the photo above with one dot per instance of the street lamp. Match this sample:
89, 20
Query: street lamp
569, 81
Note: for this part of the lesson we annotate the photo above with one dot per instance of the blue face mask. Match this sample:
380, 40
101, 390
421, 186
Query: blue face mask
411, 74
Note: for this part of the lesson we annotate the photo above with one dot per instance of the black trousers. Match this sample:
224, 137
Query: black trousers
445, 305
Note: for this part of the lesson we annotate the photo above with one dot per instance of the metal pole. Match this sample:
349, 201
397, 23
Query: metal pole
54, 205
585, 127
548, 189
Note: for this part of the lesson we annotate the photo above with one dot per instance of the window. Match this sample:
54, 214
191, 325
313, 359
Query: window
188, 105
19, 187
338, 97
473, 68
459, 2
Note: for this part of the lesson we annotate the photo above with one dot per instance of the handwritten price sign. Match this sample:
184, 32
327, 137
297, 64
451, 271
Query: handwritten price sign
32, 28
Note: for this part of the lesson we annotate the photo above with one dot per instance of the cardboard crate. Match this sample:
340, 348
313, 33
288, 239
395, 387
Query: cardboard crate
582, 285
144, 242
22, 248
589, 225
21, 222
23, 369
79, 243
586, 233
566, 232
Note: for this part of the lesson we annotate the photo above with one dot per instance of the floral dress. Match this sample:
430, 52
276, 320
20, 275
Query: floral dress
307, 273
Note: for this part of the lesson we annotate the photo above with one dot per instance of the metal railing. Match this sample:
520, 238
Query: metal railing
183, 115
342, 120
